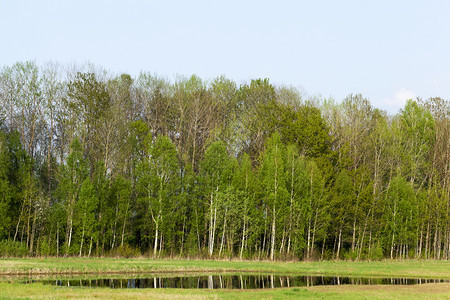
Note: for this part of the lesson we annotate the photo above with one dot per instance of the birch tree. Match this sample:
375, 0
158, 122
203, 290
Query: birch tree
215, 169
73, 174
273, 183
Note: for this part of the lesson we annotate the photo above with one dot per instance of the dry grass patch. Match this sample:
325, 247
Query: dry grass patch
419, 291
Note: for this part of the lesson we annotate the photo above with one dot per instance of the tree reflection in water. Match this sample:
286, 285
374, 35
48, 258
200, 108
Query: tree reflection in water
247, 281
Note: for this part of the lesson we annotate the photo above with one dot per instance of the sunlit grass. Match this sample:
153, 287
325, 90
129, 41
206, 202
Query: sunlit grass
10, 286
12, 272
39, 291
387, 268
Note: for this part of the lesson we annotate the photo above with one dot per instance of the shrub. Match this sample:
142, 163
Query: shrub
125, 251
44, 248
9, 248
377, 253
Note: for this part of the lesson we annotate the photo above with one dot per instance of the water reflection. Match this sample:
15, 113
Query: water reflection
253, 281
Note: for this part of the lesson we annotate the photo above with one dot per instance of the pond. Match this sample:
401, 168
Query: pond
229, 281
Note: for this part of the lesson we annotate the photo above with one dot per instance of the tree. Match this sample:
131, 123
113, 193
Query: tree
342, 197
417, 129
158, 178
251, 124
223, 94
297, 185
439, 177
273, 184
115, 129
215, 171
73, 174
400, 206
319, 217
5, 189
85, 208
23, 99
92, 164
22, 184
122, 191
89, 103
244, 181
165, 169
155, 106
105, 231
195, 116
301, 125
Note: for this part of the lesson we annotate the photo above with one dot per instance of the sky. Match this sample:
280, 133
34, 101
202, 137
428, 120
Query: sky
387, 50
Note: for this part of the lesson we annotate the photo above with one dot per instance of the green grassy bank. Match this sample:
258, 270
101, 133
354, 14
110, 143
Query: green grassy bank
11, 270
39, 291
387, 268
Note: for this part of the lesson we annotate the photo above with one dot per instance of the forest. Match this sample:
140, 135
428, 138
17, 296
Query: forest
98, 164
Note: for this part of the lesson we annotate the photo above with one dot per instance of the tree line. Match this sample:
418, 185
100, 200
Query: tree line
95, 164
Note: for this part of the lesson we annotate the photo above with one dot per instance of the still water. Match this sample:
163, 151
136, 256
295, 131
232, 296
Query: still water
248, 281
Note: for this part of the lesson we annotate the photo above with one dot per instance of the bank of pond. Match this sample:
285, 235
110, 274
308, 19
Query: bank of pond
220, 281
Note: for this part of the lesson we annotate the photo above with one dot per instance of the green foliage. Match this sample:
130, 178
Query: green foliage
89, 98
125, 252
302, 126
5, 188
100, 164
45, 249
216, 166
377, 252
401, 211
85, 209
418, 137
342, 197
9, 248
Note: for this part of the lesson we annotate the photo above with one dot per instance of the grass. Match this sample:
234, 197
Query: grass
387, 268
12, 270
39, 291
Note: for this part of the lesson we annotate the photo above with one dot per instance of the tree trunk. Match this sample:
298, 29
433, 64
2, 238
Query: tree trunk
160, 244
69, 229
82, 240
125, 221
313, 235
339, 244
323, 247
427, 239
198, 230
223, 232
392, 245
90, 247
114, 229
361, 245
214, 230
155, 248
435, 242
263, 249
28, 226
283, 237
33, 231
419, 251
18, 222
272, 248
354, 234
243, 239
211, 220
182, 236
291, 206
211, 225
57, 240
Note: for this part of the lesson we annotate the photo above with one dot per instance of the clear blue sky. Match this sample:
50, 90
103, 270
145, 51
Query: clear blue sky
386, 50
